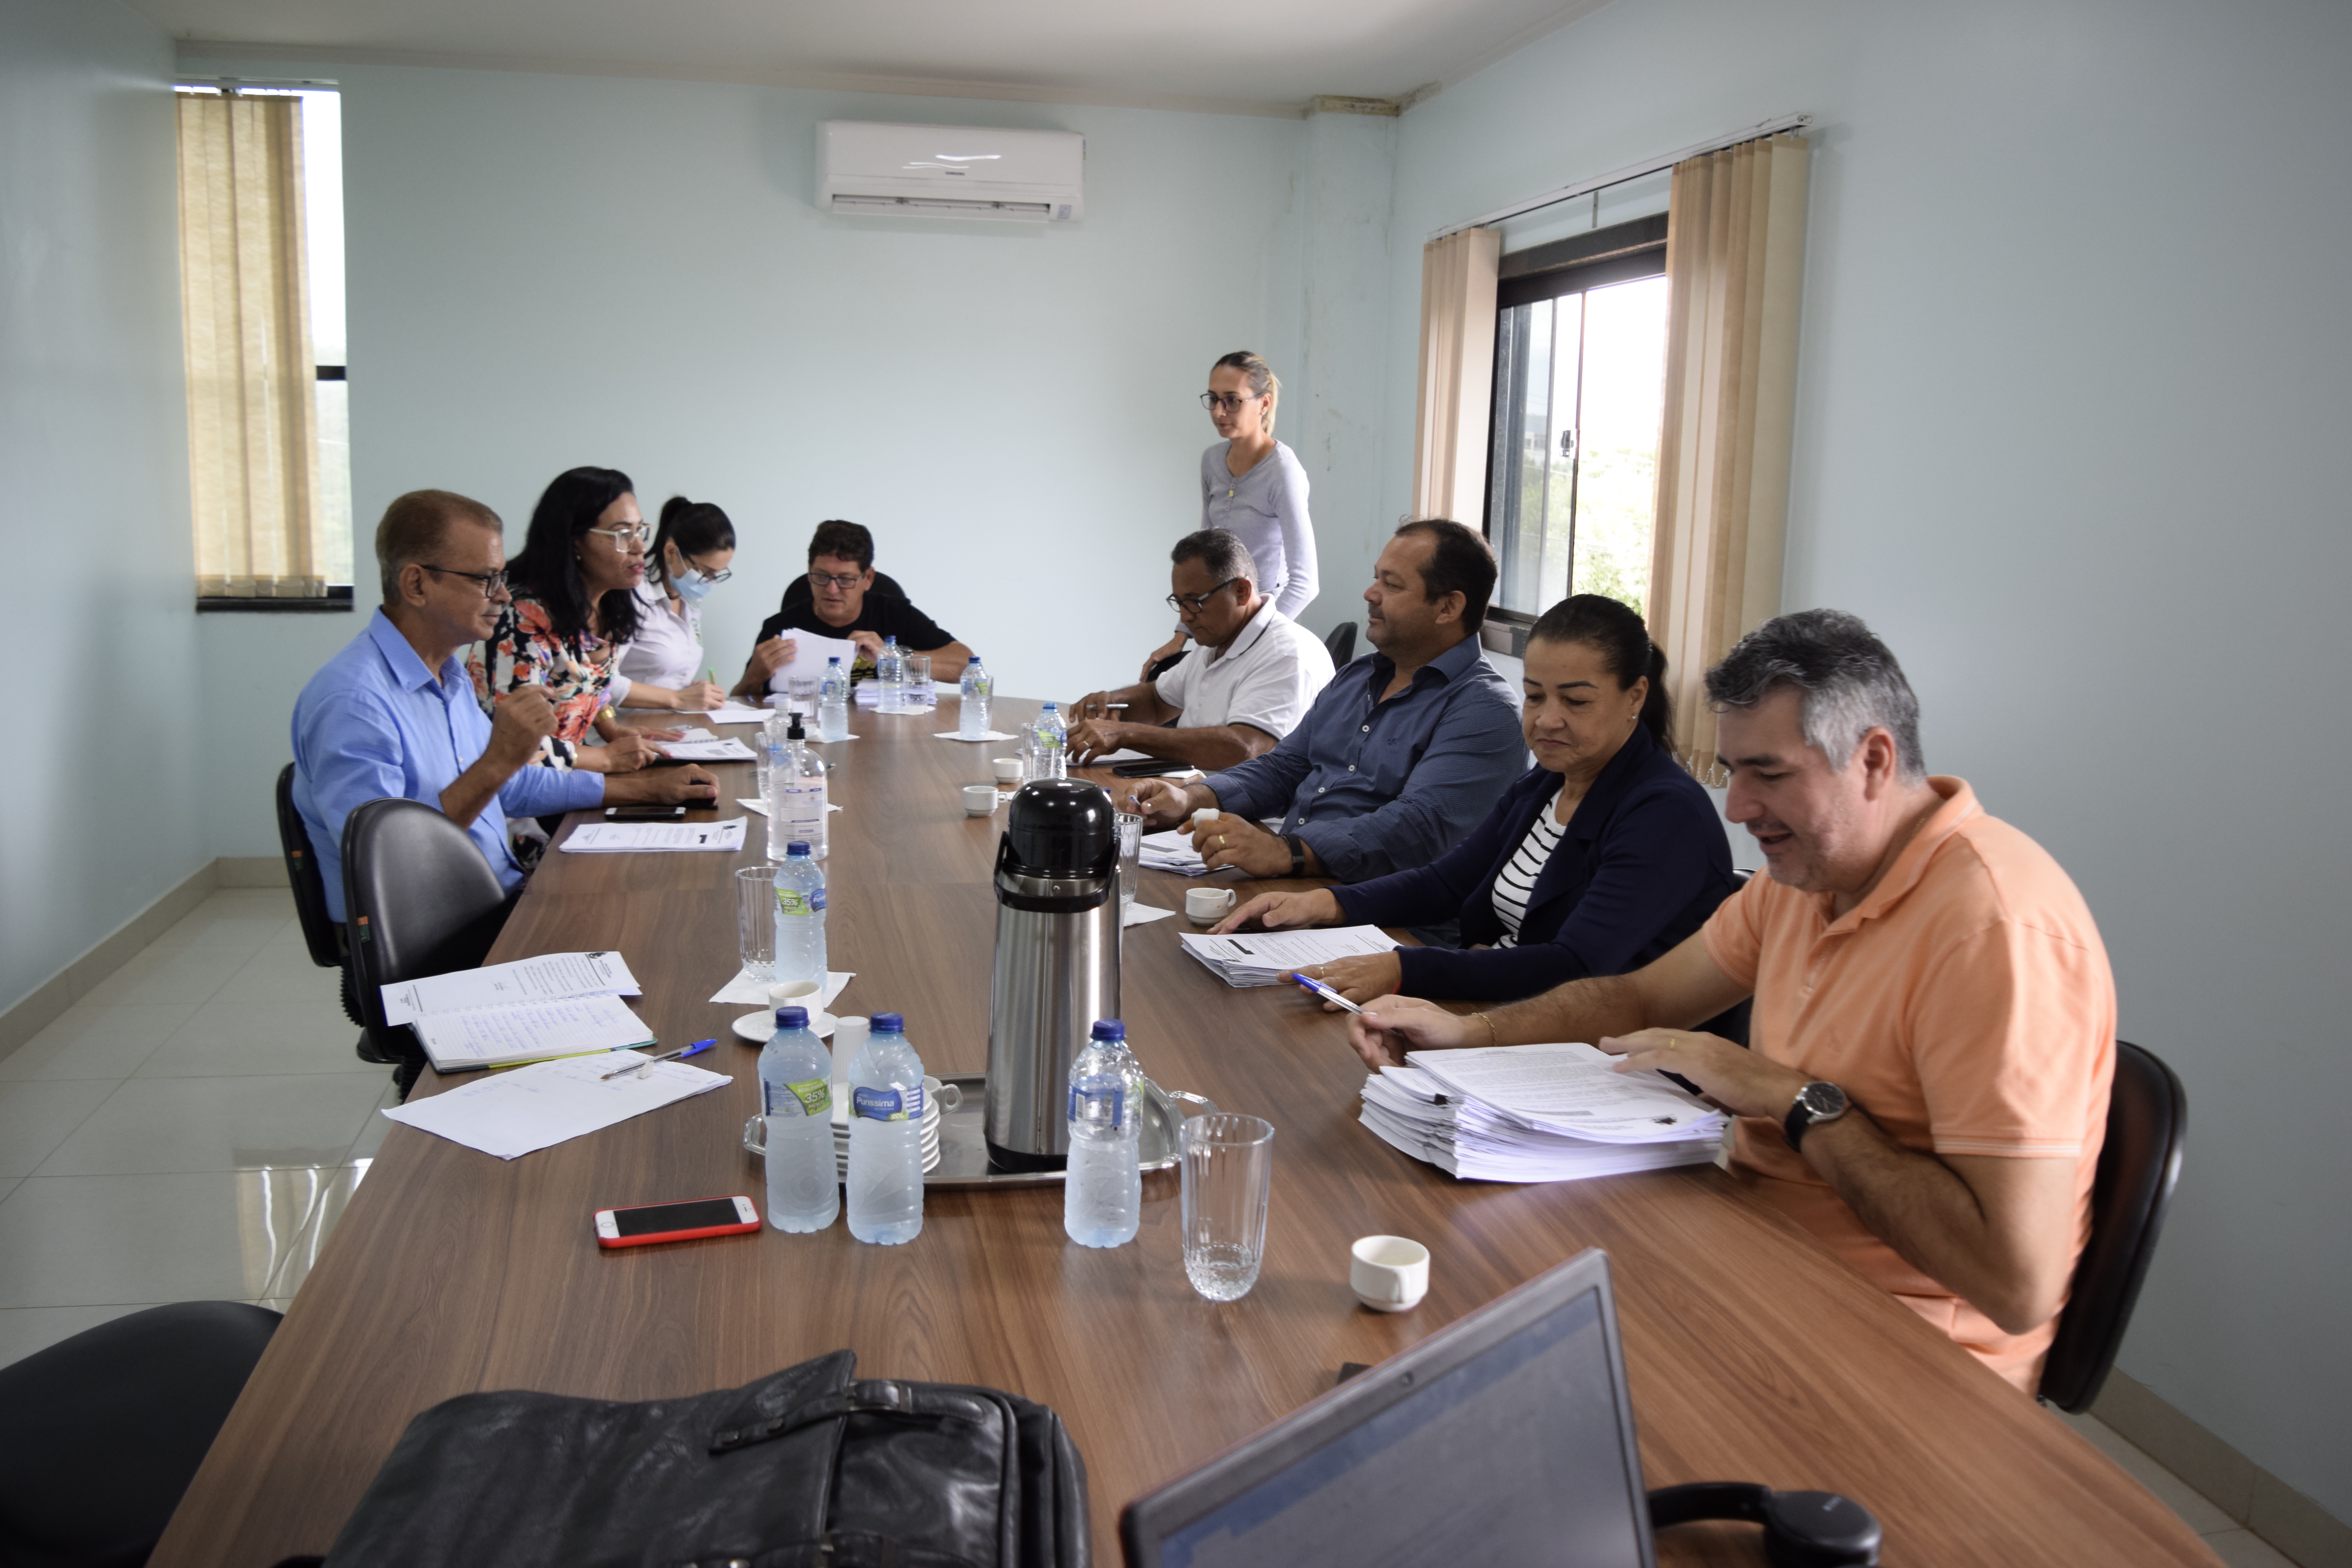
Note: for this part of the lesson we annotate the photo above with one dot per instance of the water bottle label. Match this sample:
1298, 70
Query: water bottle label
888, 1104
793, 901
817, 901
814, 1097
1103, 1107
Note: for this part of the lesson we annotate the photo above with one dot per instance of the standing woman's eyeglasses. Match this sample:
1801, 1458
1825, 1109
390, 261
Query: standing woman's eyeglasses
1231, 402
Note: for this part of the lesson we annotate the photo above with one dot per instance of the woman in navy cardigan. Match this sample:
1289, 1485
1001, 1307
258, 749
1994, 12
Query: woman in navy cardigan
1601, 857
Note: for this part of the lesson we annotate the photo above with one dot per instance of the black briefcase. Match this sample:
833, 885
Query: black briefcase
807, 1467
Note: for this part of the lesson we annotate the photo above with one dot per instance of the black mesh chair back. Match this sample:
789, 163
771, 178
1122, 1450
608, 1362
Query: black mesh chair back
105, 1430
2147, 1120
418, 900
1341, 645
319, 932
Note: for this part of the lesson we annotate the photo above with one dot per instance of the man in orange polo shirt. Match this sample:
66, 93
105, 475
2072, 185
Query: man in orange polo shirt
1935, 1021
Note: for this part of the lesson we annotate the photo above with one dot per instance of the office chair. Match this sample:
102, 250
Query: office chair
105, 1430
1341, 645
320, 934
418, 900
2148, 1120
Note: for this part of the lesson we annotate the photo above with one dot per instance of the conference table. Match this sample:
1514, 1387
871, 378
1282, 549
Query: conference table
1752, 1352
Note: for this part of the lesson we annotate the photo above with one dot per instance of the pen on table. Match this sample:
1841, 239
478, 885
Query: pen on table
678, 1055
1311, 983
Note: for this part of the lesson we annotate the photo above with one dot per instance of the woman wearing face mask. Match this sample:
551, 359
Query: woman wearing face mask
664, 663
1601, 857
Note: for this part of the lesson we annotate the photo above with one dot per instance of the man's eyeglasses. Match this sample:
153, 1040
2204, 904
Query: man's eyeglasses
624, 534
1180, 602
492, 584
1231, 402
821, 579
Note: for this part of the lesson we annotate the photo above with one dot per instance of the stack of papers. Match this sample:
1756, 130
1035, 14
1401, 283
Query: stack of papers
810, 654
1263, 958
559, 1004
1537, 1113
548, 1102
737, 713
1171, 851
645, 837
702, 746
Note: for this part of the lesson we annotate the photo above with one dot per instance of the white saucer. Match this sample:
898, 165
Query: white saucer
757, 1027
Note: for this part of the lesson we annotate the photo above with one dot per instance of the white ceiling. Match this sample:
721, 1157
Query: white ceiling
1265, 57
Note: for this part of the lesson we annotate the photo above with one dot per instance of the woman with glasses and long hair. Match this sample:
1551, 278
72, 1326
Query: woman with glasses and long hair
1253, 485
664, 662
574, 605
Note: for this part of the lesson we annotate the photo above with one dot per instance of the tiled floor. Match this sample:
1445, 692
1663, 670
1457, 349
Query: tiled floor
191, 1129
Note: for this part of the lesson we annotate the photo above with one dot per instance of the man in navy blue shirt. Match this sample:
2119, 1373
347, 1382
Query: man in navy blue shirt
1405, 752
394, 713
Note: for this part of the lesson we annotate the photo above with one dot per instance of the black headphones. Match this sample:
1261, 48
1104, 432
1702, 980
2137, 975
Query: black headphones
1801, 1530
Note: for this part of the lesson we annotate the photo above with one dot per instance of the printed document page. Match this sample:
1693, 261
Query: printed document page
645, 837
510, 1114
541, 979
810, 653
1569, 1088
525, 1031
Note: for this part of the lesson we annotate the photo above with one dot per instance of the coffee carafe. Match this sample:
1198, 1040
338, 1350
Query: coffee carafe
1057, 935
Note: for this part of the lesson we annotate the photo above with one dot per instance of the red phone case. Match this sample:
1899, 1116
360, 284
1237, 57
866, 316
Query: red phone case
740, 1227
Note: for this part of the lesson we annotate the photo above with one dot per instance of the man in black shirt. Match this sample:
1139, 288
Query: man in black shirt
844, 596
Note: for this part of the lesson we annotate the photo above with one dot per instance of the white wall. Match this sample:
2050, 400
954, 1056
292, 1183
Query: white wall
93, 441
2076, 366
548, 270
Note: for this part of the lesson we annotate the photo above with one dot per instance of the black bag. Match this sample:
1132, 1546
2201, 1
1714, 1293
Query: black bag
804, 1469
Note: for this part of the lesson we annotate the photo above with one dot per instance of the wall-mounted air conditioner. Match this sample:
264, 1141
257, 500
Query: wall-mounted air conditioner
869, 167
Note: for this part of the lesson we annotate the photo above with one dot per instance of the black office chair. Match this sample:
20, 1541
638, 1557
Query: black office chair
2148, 1120
105, 1430
1341, 645
418, 900
320, 934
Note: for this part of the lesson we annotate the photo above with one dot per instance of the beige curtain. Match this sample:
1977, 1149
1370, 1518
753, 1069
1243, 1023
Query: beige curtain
253, 439
1734, 270
1457, 373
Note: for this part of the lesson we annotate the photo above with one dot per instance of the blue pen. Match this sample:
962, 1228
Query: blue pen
1311, 983
647, 1066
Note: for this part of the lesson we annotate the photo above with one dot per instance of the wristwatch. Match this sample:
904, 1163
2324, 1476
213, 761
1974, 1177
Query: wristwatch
1298, 853
1816, 1102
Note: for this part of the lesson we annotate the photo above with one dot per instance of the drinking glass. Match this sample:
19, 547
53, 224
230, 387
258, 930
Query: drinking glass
1228, 1173
755, 920
921, 695
1130, 829
800, 691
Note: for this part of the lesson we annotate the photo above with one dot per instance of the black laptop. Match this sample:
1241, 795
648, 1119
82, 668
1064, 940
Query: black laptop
1504, 1438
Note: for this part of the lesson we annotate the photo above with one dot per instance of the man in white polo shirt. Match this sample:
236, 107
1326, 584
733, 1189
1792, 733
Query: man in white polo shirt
1246, 686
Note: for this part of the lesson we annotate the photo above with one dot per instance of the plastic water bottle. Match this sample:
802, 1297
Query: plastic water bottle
1053, 745
800, 915
797, 1098
890, 669
886, 1136
977, 687
774, 769
804, 791
1102, 1196
832, 703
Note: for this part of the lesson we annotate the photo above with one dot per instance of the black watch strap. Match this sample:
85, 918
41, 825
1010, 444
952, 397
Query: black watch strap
1298, 853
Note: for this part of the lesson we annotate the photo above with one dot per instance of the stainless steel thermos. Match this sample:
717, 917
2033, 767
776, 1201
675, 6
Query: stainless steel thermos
1057, 935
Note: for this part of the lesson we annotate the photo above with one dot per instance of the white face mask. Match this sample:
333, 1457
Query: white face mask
691, 585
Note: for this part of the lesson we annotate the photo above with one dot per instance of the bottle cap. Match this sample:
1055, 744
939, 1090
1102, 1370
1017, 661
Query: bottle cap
1110, 1029
889, 1023
1049, 707
792, 1017
835, 659
793, 731
796, 850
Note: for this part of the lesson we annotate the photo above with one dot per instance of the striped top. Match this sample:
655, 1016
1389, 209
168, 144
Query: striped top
1518, 880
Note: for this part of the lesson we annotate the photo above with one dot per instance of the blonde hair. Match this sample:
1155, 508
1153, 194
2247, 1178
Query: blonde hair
1263, 382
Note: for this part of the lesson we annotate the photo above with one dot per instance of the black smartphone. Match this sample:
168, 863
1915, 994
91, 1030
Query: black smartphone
1149, 768
645, 814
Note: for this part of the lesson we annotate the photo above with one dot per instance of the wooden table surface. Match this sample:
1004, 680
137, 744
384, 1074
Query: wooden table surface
1753, 1354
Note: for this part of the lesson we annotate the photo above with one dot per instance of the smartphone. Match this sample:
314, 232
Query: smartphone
648, 1223
645, 814
1149, 768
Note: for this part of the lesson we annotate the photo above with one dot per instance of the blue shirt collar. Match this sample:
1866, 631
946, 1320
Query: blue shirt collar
407, 669
1449, 666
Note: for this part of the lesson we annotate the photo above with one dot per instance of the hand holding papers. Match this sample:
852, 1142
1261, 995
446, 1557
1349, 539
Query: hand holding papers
1263, 958
548, 1102
624, 837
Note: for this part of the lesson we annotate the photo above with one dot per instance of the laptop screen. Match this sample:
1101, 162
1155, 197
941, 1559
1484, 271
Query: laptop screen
1518, 1455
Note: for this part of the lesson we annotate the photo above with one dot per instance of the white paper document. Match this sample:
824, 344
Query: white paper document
651, 837
548, 1102
743, 988
546, 978
1572, 1089
751, 803
528, 1031
708, 750
1262, 958
959, 735
810, 653
737, 713
1169, 850
1139, 913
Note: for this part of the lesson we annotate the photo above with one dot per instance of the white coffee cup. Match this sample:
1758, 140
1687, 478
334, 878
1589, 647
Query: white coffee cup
1389, 1273
1008, 770
793, 993
1207, 906
979, 800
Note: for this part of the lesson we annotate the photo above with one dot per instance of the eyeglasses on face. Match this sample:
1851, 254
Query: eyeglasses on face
624, 534
707, 574
821, 579
1231, 402
1180, 602
491, 583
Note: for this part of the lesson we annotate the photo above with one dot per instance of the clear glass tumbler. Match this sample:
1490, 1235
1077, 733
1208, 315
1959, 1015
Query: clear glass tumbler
800, 691
755, 920
1228, 1174
1130, 829
921, 695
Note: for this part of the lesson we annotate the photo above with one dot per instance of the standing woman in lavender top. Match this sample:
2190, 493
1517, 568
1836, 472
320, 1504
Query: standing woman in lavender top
1253, 485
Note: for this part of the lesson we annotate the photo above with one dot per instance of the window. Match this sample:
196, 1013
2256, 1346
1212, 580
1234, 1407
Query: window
270, 482
1580, 377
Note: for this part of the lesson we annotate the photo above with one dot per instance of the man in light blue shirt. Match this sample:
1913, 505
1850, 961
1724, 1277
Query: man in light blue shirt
1403, 753
395, 714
